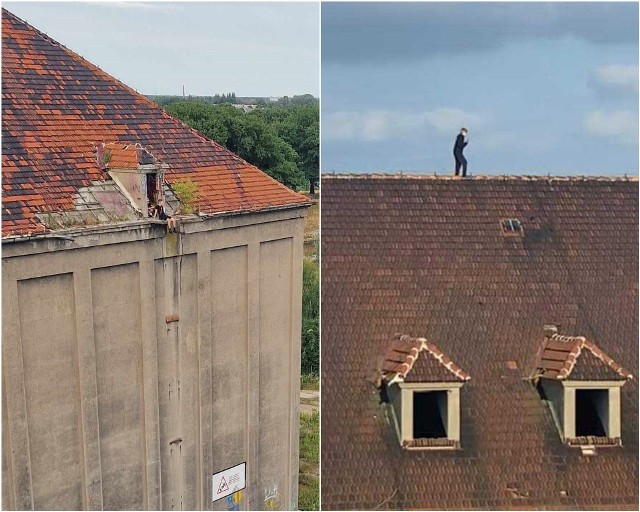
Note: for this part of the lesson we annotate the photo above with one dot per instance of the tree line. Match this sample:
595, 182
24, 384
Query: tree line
283, 140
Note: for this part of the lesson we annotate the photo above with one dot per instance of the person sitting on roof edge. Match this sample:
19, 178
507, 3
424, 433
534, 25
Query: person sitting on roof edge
461, 142
172, 223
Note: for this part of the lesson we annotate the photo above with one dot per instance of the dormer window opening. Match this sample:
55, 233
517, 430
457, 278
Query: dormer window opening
592, 412
430, 414
152, 188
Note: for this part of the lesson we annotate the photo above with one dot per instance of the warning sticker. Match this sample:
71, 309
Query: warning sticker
228, 481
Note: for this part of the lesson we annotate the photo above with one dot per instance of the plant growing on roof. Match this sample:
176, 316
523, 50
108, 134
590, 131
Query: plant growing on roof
106, 157
187, 193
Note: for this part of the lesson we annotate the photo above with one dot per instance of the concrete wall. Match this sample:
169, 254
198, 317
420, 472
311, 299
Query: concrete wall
136, 364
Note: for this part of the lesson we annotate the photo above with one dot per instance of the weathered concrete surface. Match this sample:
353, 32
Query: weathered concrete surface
136, 364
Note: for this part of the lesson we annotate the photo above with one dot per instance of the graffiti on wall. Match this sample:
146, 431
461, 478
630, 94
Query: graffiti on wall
233, 501
272, 498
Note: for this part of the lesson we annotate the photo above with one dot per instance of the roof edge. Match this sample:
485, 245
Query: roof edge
414, 353
413, 175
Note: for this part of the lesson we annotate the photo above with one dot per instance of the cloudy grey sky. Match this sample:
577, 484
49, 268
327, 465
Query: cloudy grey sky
542, 87
252, 49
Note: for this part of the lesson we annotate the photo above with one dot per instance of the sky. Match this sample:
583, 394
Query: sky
542, 87
252, 49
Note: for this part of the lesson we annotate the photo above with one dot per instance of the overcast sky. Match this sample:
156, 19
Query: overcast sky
252, 49
542, 87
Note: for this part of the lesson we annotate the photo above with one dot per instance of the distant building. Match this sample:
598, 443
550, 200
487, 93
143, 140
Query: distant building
245, 108
138, 364
479, 343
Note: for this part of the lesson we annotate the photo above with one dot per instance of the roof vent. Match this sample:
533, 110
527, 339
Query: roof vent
511, 227
550, 330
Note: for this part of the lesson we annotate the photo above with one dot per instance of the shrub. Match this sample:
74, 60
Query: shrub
187, 193
310, 318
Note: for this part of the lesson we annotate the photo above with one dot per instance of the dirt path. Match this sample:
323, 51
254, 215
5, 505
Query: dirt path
309, 401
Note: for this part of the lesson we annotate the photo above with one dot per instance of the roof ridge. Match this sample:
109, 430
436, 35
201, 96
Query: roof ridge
413, 175
423, 345
581, 343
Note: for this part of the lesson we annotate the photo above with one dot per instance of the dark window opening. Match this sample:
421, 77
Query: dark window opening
429, 414
511, 226
592, 412
384, 393
152, 188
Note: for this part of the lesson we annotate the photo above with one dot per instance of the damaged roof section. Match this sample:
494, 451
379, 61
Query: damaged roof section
57, 107
418, 360
118, 155
576, 358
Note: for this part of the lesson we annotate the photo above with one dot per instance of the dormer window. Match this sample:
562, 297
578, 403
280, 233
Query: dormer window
582, 386
511, 227
138, 174
423, 387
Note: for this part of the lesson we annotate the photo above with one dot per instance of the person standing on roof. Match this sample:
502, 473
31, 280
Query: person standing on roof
461, 142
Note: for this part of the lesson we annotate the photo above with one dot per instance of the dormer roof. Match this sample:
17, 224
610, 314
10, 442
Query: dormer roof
410, 359
125, 155
576, 358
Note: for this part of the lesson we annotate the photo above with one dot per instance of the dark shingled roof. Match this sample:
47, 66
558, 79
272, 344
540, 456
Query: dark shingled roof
427, 255
56, 108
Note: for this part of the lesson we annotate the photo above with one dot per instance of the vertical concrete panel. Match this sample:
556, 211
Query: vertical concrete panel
253, 493
275, 372
229, 353
8, 503
151, 420
15, 422
116, 313
176, 294
205, 466
188, 392
294, 390
47, 326
88, 388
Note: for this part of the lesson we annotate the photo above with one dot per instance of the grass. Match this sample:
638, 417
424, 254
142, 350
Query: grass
309, 382
312, 222
308, 476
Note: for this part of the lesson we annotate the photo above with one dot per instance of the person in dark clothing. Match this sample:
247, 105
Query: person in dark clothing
461, 161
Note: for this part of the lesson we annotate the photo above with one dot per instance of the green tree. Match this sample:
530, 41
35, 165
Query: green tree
249, 136
299, 126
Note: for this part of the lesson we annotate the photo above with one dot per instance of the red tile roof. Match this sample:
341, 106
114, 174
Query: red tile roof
56, 107
427, 255
417, 360
576, 358
124, 155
